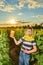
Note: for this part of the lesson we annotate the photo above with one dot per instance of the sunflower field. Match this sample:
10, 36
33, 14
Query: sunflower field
9, 52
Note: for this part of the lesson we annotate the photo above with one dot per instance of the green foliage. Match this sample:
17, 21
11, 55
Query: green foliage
38, 56
19, 32
4, 49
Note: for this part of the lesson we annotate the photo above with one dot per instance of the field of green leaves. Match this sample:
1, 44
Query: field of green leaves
7, 59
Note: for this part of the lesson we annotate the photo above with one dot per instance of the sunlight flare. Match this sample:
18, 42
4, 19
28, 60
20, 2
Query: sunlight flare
13, 21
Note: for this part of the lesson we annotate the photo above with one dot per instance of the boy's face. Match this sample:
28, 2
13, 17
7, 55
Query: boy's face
28, 32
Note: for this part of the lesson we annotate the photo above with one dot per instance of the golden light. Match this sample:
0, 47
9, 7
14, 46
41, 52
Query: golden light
13, 21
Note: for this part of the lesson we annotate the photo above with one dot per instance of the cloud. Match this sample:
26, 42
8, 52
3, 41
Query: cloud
20, 14
21, 4
34, 4
6, 7
31, 3
39, 17
1, 3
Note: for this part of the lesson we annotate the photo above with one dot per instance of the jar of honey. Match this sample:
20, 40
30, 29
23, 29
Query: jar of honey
12, 33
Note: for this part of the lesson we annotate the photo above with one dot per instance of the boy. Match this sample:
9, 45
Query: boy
28, 47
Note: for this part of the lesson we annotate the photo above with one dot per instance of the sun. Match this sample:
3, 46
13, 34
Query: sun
13, 21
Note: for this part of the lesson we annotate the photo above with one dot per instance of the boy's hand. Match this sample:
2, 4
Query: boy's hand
26, 51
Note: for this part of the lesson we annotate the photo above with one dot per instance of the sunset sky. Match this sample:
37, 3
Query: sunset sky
27, 10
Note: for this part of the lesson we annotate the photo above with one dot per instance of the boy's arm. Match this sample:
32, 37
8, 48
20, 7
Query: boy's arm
31, 51
34, 49
17, 42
